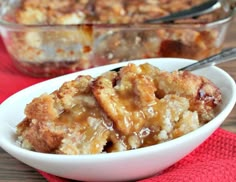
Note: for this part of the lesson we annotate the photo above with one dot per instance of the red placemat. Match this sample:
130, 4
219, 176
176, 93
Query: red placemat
12, 80
213, 161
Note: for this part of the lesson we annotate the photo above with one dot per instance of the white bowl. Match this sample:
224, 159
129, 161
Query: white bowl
120, 166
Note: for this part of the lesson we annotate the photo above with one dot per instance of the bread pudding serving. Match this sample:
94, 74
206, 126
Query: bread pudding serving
138, 106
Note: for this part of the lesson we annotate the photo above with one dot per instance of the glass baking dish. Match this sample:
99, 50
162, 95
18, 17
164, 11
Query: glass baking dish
70, 42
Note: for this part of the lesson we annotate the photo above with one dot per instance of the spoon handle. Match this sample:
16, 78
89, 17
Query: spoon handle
224, 56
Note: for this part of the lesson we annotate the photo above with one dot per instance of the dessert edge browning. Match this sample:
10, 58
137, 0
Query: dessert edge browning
136, 107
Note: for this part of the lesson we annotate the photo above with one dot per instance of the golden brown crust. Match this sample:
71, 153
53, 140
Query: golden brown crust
113, 11
202, 93
41, 138
49, 12
42, 109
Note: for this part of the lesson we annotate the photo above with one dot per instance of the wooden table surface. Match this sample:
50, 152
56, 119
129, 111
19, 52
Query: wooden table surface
11, 170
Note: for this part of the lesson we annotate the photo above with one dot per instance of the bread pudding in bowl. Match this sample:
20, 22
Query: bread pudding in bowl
136, 107
102, 121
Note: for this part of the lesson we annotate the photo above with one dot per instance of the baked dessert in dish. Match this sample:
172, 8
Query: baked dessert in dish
108, 12
136, 107
51, 38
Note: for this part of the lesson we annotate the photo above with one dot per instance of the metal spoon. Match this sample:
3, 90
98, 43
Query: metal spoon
224, 56
206, 7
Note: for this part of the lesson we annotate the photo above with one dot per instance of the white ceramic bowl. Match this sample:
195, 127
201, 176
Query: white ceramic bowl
128, 165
